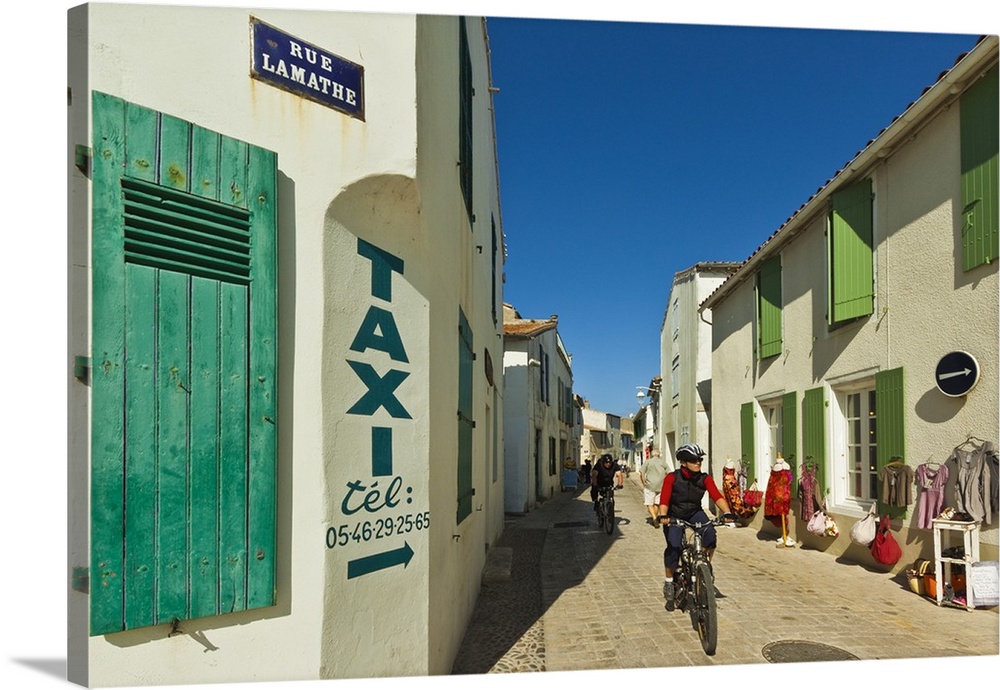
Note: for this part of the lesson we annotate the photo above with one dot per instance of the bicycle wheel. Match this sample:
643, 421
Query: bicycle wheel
609, 518
600, 511
704, 607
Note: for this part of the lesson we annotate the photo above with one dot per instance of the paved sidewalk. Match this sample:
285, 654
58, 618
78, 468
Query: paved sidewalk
579, 599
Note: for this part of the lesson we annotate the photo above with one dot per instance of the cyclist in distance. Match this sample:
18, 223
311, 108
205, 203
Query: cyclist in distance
605, 473
680, 497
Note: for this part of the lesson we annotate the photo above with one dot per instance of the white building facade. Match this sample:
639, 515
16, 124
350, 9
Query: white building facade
829, 341
686, 360
285, 252
540, 438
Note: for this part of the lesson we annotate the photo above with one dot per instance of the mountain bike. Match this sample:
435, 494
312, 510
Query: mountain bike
606, 508
694, 582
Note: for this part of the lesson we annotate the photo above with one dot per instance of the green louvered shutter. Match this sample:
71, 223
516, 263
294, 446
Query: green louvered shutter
789, 427
769, 308
465, 422
814, 434
890, 436
747, 452
183, 388
979, 116
851, 276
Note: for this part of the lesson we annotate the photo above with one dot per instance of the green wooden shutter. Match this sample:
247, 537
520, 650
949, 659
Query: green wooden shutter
851, 275
814, 434
465, 92
979, 116
789, 427
465, 422
890, 436
747, 450
769, 308
183, 388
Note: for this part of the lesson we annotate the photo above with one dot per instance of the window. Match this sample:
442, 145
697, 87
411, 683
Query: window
850, 272
543, 377
184, 430
465, 422
814, 435
789, 442
465, 92
552, 456
769, 308
869, 432
675, 377
748, 450
495, 246
860, 426
772, 416
978, 126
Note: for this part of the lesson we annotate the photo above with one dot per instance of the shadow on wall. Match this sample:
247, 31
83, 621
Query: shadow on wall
935, 408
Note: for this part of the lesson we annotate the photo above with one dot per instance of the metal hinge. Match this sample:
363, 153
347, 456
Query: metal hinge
81, 579
82, 157
81, 368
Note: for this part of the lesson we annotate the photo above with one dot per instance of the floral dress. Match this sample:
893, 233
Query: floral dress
778, 495
807, 492
732, 491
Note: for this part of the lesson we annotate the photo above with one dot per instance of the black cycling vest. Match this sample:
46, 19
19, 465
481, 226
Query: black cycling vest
605, 476
686, 495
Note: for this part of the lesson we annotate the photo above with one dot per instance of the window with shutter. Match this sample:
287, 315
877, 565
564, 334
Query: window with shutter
850, 271
890, 433
769, 308
979, 113
748, 452
465, 92
814, 434
789, 429
465, 422
183, 449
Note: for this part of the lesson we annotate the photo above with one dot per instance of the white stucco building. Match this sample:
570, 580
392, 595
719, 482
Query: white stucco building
539, 414
828, 342
602, 433
686, 360
285, 276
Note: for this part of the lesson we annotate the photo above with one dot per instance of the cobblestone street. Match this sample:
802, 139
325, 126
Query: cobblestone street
575, 598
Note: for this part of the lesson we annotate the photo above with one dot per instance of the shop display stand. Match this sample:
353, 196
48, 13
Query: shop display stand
942, 564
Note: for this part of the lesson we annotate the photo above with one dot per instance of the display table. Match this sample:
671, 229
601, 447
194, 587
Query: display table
942, 564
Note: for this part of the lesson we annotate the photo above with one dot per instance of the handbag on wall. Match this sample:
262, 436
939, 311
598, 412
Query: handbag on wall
817, 523
752, 497
885, 549
823, 525
863, 531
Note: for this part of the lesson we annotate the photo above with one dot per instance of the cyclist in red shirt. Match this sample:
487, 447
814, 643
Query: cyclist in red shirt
681, 497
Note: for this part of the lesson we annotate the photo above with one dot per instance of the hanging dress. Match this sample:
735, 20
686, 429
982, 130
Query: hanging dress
895, 485
778, 496
807, 492
930, 501
731, 490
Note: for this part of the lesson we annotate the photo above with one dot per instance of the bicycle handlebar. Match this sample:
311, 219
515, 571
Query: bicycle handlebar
715, 522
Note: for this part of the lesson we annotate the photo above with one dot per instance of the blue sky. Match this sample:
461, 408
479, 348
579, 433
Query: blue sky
630, 151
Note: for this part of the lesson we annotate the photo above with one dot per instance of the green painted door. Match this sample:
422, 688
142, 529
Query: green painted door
184, 349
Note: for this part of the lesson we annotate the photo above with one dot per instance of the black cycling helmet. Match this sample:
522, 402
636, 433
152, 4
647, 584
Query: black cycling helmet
606, 458
690, 452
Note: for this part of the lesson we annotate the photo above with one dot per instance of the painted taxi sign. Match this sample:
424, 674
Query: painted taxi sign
956, 373
301, 68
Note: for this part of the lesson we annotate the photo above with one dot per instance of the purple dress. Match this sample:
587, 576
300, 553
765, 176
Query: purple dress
931, 484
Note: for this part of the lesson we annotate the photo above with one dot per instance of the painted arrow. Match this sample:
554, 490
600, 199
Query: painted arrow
379, 561
953, 374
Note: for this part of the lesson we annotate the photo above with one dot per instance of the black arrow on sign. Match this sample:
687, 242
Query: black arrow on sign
379, 561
